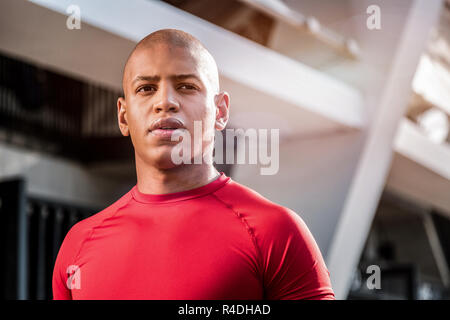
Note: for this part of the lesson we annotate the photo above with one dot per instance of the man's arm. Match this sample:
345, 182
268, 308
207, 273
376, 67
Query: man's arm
65, 272
293, 265
59, 287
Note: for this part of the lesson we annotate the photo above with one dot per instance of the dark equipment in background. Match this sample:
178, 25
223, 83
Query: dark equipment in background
32, 231
59, 115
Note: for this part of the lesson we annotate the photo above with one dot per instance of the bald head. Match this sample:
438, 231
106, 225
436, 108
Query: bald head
176, 39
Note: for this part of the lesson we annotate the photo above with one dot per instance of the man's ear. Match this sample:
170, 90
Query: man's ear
222, 101
122, 116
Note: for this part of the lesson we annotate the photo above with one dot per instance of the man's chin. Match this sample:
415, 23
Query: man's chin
166, 157
164, 160
165, 164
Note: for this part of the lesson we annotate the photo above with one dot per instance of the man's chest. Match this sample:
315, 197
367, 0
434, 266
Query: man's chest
176, 264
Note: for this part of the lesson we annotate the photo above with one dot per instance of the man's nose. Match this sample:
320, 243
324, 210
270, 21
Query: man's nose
166, 100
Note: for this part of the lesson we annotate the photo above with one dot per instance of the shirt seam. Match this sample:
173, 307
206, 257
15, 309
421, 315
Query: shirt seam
96, 226
249, 231
180, 200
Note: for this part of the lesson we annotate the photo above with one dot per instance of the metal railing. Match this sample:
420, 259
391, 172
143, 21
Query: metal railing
33, 231
51, 112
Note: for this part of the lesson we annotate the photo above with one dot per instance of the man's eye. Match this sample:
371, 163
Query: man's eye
187, 86
146, 89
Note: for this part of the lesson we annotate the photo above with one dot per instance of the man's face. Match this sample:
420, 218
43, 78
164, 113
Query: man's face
165, 82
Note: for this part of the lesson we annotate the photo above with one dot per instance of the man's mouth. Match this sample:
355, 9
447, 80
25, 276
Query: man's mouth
165, 127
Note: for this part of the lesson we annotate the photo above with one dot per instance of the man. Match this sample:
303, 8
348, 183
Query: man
185, 231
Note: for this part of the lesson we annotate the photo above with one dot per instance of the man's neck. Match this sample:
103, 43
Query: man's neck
151, 180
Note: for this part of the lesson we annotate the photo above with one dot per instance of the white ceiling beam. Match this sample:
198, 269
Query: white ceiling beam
432, 82
282, 12
419, 184
370, 174
413, 144
239, 59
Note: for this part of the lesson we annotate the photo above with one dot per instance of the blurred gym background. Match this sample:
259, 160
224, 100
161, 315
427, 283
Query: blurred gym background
360, 91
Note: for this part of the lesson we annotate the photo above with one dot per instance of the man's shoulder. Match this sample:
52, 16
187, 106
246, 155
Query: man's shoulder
257, 207
80, 232
82, 228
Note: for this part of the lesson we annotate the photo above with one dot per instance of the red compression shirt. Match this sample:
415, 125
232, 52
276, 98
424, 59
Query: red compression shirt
220, 241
